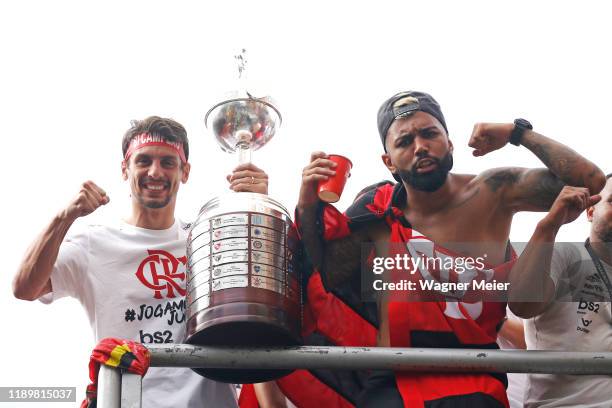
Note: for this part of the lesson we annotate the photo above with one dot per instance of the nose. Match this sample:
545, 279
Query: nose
421, 146
155, 170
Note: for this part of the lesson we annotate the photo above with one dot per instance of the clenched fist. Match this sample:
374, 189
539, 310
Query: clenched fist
89, 198
487, 137
568, 205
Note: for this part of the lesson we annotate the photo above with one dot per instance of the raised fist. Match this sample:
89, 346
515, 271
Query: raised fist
568, 205
487, 137
89, 198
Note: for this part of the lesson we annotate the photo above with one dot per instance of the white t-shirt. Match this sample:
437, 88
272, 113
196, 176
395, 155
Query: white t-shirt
131, 282
579, 325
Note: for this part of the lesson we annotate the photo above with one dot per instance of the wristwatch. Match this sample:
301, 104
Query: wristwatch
520, 126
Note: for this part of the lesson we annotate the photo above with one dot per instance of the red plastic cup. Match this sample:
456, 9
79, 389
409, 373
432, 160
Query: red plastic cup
330, 190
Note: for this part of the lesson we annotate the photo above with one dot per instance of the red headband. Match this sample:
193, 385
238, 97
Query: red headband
146, 139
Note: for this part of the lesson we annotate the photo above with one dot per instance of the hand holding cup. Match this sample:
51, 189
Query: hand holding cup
323, 168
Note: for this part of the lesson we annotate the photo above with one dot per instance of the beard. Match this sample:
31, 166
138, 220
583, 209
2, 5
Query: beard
430, 181
604, 233
154, 203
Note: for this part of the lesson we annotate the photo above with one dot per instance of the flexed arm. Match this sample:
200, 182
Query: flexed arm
33, 276
534, 189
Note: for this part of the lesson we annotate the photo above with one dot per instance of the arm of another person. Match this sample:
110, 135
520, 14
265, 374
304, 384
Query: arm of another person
33, 278
269, 395
335, 259
513, 331
531, 286
534, 189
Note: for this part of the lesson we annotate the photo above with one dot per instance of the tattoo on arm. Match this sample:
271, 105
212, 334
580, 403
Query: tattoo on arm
313, 244
343, 257
540, 189
525, 189
570, 167
560, 159
338, 259
502, 177
536, 189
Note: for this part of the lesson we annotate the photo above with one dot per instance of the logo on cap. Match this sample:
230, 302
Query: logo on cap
405, 106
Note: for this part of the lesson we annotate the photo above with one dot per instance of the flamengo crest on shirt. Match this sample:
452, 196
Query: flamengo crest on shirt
423, 247
158, 271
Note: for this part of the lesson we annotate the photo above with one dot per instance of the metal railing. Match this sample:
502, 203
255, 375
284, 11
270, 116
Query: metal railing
124, 390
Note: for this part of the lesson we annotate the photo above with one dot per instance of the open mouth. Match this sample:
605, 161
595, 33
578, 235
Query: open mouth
425, 165
155, 186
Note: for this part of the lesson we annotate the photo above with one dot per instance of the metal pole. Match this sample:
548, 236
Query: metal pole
379, 358
131, 390
109, 387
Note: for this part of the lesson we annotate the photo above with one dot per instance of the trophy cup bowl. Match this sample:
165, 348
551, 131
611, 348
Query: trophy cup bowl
243, 278
243, 122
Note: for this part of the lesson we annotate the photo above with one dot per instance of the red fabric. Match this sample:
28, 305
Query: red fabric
124, 354
145, 139
304, 390
472, 323
334, 319
335, 224
322, 313
248, 398
381, 200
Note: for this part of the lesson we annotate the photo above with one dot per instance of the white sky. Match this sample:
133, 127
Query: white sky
74, 73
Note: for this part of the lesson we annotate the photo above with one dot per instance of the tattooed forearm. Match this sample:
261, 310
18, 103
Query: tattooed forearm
309, 229
343, 257
570, 167
338, 259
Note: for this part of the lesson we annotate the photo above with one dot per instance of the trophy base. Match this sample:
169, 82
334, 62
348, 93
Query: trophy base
243, 325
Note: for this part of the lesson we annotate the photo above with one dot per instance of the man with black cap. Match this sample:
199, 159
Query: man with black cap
434, 213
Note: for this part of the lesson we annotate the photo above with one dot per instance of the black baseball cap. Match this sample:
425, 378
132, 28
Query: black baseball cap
404, 104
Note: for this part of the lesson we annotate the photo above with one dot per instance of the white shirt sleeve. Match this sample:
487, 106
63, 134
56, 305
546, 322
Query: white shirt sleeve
566, 258
69, 271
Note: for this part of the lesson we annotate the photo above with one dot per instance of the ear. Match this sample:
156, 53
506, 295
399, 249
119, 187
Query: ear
185, 172
387, 161
124, 170
450, 146
589, 213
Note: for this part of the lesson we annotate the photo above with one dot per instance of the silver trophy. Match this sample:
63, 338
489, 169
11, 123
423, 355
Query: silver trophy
242, 271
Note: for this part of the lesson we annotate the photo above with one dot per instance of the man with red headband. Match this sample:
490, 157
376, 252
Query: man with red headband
130, 276
432, 215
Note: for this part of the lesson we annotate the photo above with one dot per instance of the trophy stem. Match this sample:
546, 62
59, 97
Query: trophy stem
244, 153
244, 146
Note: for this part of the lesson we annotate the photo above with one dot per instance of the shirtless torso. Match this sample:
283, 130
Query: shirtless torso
469, 214
471, 223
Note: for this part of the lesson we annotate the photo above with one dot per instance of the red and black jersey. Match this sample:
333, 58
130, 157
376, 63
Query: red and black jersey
338, 316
